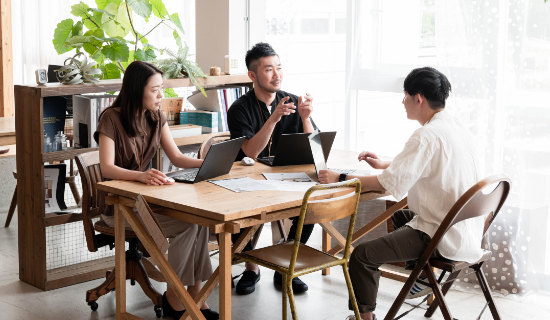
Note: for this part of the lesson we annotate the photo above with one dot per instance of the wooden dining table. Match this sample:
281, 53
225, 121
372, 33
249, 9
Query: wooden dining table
225, 212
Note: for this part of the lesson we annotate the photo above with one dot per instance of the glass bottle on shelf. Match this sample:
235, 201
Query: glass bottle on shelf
63, 141
47, 143
57, 142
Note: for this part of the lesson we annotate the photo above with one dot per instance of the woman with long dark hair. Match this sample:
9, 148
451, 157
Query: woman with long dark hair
129, 134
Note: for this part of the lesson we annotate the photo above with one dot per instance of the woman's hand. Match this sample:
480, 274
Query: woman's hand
328, 176
372, 159
154, 177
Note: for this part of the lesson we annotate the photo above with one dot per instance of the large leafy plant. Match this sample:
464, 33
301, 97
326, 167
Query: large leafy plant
104, 33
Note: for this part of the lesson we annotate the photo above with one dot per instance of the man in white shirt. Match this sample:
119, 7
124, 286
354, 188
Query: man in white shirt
437, 165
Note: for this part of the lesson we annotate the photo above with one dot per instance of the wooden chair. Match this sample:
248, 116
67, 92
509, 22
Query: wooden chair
137, 268
479, 200
212, 139
69, 179
293, 259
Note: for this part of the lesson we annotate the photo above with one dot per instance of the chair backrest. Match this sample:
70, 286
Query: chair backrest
330, 209
485, 198
90, 173
212, 139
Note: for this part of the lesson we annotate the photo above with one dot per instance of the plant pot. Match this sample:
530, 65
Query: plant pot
184, 73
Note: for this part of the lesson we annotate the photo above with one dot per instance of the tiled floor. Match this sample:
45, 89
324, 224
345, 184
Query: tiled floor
326, 298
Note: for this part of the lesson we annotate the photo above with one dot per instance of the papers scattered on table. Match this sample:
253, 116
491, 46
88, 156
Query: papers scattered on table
352, 172
247, 184
290, 177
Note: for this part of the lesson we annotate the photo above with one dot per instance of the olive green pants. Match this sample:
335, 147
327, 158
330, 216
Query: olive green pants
403, 244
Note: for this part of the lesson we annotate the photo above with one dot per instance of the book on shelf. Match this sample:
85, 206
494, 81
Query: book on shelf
54, 187
219, 99
171, 107
208, 120
54, 114
86, 112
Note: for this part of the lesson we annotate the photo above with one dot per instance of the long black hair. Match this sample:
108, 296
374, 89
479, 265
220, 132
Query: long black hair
130, 98
429, 82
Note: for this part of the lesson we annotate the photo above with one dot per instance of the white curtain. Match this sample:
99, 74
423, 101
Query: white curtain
34, 22
354, 54
496, 55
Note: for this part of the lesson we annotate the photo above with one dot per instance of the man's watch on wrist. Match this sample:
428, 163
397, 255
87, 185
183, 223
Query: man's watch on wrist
343, 177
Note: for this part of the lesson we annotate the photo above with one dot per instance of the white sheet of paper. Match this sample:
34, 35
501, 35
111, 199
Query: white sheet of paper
247, 184
352, 172
292, 177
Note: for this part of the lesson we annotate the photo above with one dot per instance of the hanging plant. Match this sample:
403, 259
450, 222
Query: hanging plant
75, 71
180, 66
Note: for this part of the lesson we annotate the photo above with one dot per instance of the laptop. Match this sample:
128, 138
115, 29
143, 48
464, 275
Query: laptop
294, 149
317, 151
218, 161
320, 159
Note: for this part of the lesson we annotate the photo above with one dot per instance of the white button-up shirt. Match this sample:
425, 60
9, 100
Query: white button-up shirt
438, 164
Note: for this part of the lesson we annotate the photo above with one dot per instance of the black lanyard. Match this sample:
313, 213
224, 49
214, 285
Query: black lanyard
264, 120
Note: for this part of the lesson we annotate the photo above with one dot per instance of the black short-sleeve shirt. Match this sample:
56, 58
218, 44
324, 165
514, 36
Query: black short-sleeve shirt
244, 120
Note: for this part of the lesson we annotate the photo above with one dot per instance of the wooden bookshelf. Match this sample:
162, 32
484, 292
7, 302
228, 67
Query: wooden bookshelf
30, 159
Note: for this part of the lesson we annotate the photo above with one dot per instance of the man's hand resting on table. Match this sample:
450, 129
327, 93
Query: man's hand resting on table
372, 159
328, 176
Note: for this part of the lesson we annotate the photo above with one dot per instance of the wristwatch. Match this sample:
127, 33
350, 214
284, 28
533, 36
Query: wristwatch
343, 177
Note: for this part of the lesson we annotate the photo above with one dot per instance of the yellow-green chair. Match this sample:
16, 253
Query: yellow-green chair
293, 259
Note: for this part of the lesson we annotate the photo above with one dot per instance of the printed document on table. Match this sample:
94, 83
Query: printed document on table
247, 184
291, 177
235, 185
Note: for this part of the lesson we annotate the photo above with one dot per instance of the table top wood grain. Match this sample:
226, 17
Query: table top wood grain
211, 201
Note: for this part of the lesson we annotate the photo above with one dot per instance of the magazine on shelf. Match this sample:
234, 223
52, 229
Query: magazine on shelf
54, 187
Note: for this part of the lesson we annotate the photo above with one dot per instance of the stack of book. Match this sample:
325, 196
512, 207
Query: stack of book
208, 120
218, 100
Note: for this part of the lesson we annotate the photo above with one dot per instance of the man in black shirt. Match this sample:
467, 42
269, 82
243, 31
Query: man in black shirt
262, 115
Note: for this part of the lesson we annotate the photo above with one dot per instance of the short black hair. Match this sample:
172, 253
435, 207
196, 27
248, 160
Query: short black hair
430, 83
259, 50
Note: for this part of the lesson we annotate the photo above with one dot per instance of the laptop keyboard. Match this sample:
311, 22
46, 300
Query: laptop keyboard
189, 176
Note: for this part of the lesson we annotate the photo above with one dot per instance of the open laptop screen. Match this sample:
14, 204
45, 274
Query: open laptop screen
317, 151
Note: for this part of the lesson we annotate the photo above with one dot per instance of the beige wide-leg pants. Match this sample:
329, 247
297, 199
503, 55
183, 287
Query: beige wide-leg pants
188, 251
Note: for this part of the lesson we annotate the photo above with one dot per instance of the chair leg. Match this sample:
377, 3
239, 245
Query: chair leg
444, 290
351, 292
284, 295
136, 271
403, 293
12, 208
107, 286
486, 291
288, 285
74, 190
440, 297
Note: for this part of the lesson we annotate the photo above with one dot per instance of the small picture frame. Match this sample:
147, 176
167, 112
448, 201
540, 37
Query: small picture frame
41, 76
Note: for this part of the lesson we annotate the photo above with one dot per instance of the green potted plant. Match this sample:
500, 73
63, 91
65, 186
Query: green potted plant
180, 66
102, 33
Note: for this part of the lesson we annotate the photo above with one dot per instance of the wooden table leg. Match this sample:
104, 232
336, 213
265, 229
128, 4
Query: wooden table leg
215, 277
120, 262
326, 248
225, 276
